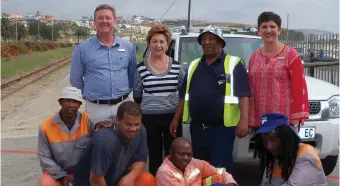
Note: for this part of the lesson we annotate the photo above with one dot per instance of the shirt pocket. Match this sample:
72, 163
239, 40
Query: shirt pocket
121, 65
80, 146
222, 79
97, 61
121, 61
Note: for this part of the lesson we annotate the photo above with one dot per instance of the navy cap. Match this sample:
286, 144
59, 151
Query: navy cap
270, 121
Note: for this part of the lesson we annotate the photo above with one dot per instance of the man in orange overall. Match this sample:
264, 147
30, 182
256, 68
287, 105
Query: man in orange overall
180, 169
63, 137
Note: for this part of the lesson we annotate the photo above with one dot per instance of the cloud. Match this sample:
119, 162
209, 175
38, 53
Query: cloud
306, 14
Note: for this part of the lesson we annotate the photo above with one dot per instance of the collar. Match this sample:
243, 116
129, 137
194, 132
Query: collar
99, 44
219, 59
168, 161
57, 119
121, 137
194, 172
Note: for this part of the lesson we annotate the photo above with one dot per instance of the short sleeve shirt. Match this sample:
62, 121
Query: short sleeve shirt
207, 90
107, 155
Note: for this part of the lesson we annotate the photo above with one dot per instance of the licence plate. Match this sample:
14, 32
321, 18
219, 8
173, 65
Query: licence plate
307, 133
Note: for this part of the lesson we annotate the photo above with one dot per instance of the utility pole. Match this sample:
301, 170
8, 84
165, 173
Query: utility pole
16, 28
189, 10
39, 28
38, 15
52, 25
287, 27
131, 32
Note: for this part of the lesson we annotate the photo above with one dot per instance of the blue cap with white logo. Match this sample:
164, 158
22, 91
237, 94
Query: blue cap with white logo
270, 121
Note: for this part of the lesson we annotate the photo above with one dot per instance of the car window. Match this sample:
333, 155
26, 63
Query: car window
171, 50
189, 49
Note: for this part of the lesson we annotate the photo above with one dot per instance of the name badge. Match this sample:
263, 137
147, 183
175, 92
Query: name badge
280, 58
121, 50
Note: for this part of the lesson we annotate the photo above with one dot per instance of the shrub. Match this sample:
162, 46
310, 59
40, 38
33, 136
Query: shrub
13, 49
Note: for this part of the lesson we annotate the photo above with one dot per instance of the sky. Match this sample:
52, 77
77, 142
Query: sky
303, 14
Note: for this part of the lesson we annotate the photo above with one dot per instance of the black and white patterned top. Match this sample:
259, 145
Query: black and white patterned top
158, 93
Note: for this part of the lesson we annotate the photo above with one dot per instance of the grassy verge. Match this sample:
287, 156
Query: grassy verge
139, 56
30, 62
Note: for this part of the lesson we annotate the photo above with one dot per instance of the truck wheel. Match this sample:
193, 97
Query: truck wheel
328, 164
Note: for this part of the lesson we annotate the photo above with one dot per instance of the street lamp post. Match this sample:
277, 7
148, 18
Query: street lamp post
16, 28
52, 25
38, 28
189, 10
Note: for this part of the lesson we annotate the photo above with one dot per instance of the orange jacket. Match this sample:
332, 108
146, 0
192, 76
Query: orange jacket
59, 148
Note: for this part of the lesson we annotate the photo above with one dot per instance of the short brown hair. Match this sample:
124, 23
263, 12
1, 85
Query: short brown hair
159, 29
105, 7
130, 108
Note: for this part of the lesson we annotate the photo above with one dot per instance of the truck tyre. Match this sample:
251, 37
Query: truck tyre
329, 163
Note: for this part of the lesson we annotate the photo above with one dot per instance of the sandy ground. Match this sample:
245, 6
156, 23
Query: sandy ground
23, 112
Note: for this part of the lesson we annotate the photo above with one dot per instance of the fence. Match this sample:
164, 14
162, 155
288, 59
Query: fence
323, 48
326, 71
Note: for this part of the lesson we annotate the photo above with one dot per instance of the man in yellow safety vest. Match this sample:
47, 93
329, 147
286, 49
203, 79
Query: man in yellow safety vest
214, 100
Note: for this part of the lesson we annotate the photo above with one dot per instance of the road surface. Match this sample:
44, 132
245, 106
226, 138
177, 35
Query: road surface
23, 112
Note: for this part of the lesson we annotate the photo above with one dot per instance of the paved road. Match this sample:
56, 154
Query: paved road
21, 115
21, 168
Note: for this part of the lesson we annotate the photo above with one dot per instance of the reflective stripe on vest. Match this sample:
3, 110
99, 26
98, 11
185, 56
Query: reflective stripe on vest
217, 178
231, 107
220, 170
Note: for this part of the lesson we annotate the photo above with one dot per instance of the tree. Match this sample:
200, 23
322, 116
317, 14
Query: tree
22, 31
293, 35
45, 31
82, 31
7, 28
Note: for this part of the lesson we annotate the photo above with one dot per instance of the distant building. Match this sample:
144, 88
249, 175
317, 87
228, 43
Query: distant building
14, 16
84, 23
47, 18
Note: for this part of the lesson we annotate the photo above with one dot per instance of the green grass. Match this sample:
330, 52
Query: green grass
26, 63
139, 56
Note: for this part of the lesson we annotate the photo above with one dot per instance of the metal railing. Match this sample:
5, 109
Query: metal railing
323, 46
326, 71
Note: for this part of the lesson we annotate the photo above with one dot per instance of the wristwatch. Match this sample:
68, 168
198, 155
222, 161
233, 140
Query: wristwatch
296, 125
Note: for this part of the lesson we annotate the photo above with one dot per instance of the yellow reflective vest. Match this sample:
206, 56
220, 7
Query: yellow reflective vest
231, 106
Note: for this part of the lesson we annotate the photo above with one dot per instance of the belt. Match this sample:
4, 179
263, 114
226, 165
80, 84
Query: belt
112, 101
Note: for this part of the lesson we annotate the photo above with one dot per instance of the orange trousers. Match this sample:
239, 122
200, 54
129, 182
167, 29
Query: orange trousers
145, 179
47, 180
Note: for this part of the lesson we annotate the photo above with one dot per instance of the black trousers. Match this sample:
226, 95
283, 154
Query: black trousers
158, 137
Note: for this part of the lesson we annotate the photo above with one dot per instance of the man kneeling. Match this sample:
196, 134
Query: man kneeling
197, 172
117, 155
63, 137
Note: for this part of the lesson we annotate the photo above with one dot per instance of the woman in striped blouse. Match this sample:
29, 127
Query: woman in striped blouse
158, 79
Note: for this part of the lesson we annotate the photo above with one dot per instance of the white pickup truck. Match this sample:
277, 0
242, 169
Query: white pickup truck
321, 130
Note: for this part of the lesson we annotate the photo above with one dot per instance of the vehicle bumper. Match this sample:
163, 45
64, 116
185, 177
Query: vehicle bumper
326, 141
326, 137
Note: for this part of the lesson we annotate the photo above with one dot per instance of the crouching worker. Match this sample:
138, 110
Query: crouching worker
288, 161
62, 139
117, 155
180, 169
